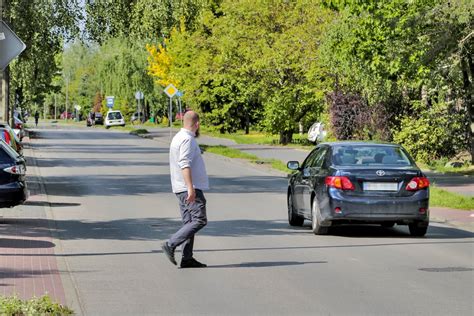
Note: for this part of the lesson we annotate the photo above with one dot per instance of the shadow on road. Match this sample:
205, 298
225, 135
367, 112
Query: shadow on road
161, 228
265, 264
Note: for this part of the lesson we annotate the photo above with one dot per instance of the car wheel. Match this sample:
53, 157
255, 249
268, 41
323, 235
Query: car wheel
388, 224
293, 218
316, 220
416, 230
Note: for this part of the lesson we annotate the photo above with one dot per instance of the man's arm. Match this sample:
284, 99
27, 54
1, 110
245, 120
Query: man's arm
188, 179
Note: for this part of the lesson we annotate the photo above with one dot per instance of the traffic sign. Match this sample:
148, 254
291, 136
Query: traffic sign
139, 95
110, 101
170, 90
179, 94
10, 45
77, 107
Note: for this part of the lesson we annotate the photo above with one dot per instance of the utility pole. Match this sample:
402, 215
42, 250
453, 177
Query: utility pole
4, 77
67, 95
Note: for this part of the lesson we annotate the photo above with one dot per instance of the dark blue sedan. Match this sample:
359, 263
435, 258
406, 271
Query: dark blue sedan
13, 189
358, 182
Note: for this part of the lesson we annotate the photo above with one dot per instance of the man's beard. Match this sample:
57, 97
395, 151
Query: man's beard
196, 133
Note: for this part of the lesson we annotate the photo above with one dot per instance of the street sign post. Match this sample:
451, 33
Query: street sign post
139, 96
110, 101
10, 45
170, 91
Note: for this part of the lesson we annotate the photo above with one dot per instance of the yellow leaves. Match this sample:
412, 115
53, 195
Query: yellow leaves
160, 63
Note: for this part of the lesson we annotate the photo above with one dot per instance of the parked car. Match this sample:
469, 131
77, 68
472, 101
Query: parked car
19, 129
358, 182
114, 118
138, 117
68, 115
95, 119
13, 190
7, 134
98, 118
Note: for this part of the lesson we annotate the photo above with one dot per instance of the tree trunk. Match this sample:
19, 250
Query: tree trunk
286, 137
467, 85
247, 123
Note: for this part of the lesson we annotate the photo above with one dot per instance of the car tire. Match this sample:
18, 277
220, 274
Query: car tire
293, 218
416, 230
388, 224
316, 220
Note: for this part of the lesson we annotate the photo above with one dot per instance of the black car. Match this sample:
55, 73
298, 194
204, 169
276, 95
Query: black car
98, 119
13, 189
358, 182
138, 117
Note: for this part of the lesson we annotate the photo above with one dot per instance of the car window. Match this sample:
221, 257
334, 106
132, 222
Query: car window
315, 158
8, 150
348, 155
319, 159
311, 157
114, 116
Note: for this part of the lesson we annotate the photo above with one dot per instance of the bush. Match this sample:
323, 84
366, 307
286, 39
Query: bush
35, 306
437, 132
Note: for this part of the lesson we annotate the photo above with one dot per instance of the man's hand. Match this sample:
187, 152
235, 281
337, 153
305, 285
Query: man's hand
191, 196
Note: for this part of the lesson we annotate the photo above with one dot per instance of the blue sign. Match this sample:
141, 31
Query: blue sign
110, 101
179, 94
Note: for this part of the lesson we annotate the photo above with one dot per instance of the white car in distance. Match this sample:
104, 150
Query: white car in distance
114, 118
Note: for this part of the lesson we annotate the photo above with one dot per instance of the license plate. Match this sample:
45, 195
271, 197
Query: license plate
380, 186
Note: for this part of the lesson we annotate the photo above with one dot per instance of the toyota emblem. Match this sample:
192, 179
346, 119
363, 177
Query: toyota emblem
380, 173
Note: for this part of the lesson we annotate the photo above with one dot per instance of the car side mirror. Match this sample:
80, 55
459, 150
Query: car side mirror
293, 165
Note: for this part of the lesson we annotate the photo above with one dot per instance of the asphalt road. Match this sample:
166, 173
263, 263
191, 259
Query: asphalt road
112, 206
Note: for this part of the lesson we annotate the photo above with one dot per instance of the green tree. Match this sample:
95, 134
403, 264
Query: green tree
44, 26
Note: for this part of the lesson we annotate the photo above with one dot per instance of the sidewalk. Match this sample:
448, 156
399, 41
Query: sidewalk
29, 262
457, 184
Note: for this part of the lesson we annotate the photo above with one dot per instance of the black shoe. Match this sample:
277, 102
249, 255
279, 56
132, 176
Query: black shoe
169, 252
192, 263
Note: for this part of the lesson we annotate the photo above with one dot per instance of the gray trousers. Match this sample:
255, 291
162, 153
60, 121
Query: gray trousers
194, 218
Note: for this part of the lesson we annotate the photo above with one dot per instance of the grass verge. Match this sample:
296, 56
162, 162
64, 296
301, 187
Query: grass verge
443, 198
12, 305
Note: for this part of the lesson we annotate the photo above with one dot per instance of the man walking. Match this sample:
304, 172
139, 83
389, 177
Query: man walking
188, 180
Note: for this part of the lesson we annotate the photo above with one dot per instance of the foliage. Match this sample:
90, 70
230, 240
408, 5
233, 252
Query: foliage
250, 64
44, 26
397, 53
35, 306
353, 118
437, 132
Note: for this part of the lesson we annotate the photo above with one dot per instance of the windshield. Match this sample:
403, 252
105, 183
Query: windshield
114, 116
369, 155
8, 149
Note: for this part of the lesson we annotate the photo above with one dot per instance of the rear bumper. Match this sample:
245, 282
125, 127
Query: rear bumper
403, 210
12, 194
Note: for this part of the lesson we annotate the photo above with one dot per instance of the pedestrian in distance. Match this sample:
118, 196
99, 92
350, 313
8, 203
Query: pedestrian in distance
188, 180
36, 118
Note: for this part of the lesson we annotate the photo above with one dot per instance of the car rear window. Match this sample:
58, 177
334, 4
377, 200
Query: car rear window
364, 155
7, 154
114, 116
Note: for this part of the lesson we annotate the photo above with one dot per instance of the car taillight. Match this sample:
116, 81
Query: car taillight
342, 183
417, 183
19, 170
7, 138
18, 126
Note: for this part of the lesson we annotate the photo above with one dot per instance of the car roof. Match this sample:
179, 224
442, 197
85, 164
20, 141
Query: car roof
359, 143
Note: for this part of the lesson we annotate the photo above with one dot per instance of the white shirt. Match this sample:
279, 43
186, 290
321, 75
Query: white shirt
185, 153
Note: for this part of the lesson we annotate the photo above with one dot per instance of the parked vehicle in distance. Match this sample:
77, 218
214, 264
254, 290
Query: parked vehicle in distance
7, 134
19, 129
95, 119
358, 182
68, 115
13, 190
114, 118
98, 118
137, 117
